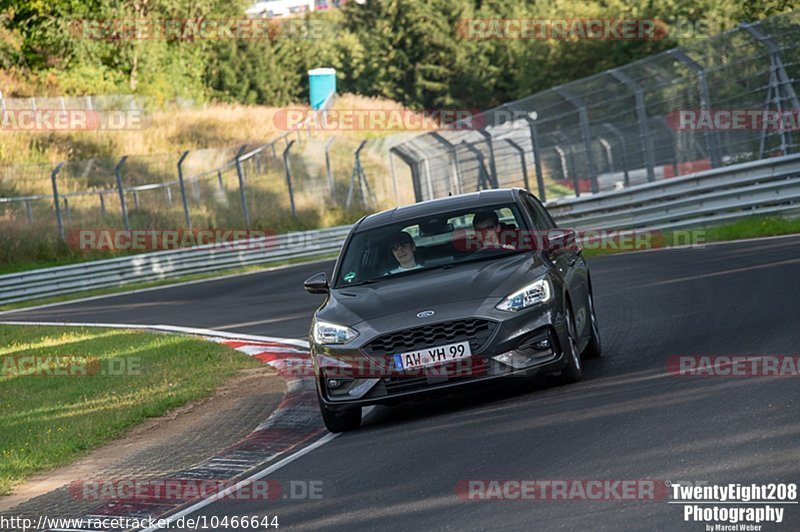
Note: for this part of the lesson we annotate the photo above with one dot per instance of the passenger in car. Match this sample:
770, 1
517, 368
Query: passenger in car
403, 249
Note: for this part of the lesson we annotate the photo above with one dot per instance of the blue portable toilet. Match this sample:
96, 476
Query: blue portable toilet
321, 83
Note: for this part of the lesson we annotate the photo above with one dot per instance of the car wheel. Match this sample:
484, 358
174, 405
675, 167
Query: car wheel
593, 348
349, 419
572, 372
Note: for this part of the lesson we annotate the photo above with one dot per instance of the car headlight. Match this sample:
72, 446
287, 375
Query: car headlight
532, 294
330, 333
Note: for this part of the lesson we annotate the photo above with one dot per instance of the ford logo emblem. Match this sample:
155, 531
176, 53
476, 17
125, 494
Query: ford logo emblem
425, 314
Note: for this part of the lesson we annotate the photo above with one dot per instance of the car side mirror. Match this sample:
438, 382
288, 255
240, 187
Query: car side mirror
317, 284
560, 240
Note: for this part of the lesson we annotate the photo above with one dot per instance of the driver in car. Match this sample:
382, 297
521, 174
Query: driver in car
488, 228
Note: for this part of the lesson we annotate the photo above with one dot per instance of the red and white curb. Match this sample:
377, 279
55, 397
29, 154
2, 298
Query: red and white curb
266, 449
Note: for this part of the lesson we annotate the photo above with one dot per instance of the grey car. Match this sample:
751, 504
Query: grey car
431, 297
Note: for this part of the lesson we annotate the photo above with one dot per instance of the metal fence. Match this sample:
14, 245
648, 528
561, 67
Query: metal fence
768, 186
146, 267
103, 102
233, 187
620, 127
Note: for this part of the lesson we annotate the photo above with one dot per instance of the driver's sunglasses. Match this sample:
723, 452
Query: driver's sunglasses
484, 227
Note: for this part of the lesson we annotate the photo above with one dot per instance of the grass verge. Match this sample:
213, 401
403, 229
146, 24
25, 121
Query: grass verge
115, 379
750, 227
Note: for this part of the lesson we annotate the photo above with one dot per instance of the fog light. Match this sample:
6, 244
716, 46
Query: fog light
334, 383
515, 359
541, 345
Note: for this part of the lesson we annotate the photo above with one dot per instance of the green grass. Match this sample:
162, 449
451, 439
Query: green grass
48, 420
750, 227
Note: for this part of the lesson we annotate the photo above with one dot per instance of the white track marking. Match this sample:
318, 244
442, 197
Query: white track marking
167, 328
242, 483
152, 288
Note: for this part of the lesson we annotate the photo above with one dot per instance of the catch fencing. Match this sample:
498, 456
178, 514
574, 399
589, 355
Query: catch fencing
624, 126
769, 186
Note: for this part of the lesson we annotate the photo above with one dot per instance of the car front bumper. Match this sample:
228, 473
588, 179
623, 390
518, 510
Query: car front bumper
508, 352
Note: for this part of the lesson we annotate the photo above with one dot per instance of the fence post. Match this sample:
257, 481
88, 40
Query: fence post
102, 205
366, 200
186, 216
641, 114
621, 139
56, 200
393, 171
29, 211
135, 199
219, 180
537, 151
566, 164
242, 197
288, 171
3, 105
492, 166
583, 117
521, 152
328, 170
413, 165
66, 209
169, 196
712, 140
778, 78
455, 167
121, 191
483, 175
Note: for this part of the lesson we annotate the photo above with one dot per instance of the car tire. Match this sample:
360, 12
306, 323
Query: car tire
573, 371
343, 421
593, 348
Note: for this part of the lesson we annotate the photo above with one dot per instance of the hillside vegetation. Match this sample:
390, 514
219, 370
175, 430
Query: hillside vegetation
410, 51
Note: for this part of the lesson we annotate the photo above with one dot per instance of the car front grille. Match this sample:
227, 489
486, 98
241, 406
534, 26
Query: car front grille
476, 331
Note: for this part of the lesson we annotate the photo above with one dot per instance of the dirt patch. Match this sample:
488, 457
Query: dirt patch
184, 436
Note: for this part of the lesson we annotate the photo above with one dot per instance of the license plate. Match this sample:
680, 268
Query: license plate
431, 356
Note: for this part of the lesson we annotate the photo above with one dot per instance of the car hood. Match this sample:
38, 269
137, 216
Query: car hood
461, 289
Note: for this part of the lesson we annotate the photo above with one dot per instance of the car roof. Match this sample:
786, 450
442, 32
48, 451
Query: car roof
439, 205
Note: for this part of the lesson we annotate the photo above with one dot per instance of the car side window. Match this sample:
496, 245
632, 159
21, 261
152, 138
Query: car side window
541, 218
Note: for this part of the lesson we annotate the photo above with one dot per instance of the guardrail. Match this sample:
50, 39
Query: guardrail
160, 265
766, 186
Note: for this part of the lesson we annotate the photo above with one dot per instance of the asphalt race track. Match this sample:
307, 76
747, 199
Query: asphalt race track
628, 418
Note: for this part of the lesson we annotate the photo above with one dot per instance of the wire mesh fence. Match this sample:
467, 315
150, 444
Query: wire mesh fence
276, 186
727, 99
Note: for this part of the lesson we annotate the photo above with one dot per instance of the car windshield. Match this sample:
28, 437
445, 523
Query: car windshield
433, 241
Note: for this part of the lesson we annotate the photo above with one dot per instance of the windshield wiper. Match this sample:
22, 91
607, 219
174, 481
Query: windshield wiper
358, 283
